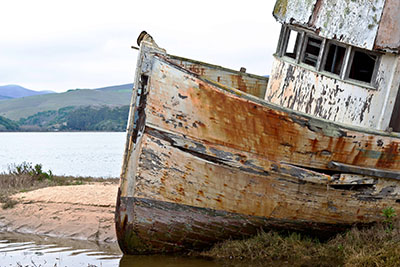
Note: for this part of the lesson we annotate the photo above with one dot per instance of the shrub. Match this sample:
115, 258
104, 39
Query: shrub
34, 171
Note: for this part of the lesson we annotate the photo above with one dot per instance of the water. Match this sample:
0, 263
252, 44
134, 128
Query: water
30, 250
95, 154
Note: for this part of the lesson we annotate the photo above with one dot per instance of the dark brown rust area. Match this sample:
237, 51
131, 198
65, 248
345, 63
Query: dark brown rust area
128, 240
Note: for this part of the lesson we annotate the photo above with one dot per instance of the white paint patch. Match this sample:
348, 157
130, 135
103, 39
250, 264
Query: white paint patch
315, 93
298, 12
353, 22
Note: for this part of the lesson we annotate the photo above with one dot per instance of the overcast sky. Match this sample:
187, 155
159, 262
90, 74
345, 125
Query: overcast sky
60, 45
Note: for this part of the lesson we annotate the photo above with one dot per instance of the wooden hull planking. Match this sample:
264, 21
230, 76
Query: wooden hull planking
205, 162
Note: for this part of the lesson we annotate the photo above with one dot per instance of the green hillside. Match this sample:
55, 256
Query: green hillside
114, 96
118, 88
85, 118
8, 125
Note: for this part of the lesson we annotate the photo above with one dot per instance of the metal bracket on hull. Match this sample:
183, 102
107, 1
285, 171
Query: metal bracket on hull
341, 167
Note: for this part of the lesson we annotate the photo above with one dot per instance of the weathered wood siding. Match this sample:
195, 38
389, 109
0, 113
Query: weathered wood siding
168, 172
185, 201
207, 162
248, 83
181, 102
296, 12
324, 96
354, 22
389, 29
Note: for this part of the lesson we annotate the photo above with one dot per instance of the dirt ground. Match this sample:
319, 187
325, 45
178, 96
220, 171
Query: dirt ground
83, 212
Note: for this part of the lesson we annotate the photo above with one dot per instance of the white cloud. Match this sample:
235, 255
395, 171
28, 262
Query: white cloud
58, 45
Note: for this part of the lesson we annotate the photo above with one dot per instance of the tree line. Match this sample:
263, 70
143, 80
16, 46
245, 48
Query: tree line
87, 118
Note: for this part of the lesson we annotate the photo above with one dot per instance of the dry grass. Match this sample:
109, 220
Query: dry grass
375, 246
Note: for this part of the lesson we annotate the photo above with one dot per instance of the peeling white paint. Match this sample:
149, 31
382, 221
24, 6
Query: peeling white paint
300, 11
349, 21
353, 22
324, 96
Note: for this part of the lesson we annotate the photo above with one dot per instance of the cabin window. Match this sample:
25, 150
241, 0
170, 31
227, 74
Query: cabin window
362, 66
293, 43
348, 62
311, 51
334, 58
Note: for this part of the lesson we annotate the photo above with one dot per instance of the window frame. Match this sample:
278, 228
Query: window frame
323, 54
325, 58
304, 47
373, 82
284, 42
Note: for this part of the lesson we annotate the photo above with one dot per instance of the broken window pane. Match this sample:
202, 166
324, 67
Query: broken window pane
335, 58
313, 47
293, 43
362, 66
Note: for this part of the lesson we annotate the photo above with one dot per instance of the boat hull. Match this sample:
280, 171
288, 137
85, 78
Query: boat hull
205, 162
167, 227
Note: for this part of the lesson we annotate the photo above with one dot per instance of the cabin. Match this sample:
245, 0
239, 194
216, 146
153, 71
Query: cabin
339, 60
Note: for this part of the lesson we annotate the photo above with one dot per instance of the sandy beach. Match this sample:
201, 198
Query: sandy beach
83, 212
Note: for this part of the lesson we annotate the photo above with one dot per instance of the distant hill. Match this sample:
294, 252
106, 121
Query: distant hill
111, 96
4, 97
16, 91
118, 88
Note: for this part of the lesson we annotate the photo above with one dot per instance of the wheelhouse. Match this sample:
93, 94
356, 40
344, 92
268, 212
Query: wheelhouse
338, 62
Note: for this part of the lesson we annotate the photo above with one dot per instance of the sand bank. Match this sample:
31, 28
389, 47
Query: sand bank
84, 212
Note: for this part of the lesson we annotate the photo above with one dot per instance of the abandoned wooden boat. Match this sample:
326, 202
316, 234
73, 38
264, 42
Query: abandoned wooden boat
214, 153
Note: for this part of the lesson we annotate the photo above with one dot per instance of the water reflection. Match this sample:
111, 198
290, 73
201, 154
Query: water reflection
32, 250
165, 261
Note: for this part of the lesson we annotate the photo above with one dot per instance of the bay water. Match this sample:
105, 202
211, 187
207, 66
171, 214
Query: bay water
81, 154
94, 154
34, 251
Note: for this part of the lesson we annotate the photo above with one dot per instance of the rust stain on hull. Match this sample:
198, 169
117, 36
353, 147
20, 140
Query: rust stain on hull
258, 127
206, 162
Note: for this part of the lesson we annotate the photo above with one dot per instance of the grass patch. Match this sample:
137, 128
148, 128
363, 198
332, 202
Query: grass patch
374, 246
7, 202
26, 177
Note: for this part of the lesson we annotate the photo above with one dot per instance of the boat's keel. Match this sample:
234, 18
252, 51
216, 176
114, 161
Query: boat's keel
147, 226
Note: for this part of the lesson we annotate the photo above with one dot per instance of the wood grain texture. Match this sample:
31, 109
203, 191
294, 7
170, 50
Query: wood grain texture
183, 103
166, 227
206, 162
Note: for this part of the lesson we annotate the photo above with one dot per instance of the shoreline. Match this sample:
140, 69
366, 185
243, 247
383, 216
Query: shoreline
80, 212
86, 213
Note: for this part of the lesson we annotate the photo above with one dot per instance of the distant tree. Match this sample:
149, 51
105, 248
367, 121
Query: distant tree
88, 118
98, 118
8, 125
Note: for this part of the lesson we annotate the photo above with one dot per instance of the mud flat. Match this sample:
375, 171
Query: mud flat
82, 212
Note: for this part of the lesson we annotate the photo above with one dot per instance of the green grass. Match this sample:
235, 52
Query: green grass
374, 246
